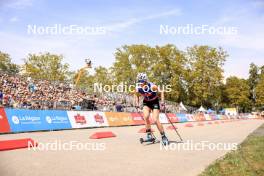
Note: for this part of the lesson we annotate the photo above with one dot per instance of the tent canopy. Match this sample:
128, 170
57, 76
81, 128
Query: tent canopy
201, 109
182, 107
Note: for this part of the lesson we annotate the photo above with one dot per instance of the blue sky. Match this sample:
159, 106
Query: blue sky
132, 22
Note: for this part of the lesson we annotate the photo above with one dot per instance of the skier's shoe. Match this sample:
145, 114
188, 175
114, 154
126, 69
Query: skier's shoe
164, 140
150, 137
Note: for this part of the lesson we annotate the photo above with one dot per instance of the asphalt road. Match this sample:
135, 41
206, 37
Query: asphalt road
124, 155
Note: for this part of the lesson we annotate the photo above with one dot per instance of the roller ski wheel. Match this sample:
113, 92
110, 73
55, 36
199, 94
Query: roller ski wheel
153, 140
141, 140
149, 140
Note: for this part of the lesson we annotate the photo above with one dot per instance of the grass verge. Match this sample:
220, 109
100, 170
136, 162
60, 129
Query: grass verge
248, 160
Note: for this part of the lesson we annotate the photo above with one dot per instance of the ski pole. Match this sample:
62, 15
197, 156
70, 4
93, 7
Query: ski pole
173, 125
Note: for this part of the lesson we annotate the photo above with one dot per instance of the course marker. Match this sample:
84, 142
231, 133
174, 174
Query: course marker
105, 134
171, 127
188, 125
17, 144
200, 124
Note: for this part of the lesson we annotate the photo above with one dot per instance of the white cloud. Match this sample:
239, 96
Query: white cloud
122, 25
18, 4
254, 42
13, 19
74, 49
248, 44
258, 4
20, 46
249, 29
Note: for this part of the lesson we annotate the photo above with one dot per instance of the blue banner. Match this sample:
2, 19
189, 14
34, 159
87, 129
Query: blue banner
35, 120
182, 117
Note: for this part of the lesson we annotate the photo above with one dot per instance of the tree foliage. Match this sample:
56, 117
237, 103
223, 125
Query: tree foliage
195, 74
205, 74
253, 81
163, 64
260, 93
102, 75
46, 66
238, 92
6, 65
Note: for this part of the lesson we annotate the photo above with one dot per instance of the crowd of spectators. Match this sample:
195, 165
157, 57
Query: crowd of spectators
18, 91
23, 92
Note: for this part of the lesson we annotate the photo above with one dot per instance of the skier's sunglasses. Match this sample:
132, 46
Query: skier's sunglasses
142, 81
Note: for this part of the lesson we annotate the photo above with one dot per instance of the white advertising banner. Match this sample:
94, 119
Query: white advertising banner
83, 119
163, 118
207, 117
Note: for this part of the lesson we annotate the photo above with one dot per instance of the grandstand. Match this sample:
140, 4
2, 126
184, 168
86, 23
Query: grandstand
23, 92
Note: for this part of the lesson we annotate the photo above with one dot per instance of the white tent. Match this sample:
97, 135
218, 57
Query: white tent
201, 109
182, 107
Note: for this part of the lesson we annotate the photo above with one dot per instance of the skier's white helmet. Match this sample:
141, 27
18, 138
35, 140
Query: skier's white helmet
142, 77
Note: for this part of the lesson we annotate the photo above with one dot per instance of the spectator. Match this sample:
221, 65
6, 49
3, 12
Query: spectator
1, 97
119, 107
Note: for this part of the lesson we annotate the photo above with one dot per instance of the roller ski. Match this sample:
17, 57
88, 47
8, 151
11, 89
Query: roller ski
150, 138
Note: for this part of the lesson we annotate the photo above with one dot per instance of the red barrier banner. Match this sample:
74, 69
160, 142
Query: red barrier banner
119, 118
137, 118
4, 125
173, 117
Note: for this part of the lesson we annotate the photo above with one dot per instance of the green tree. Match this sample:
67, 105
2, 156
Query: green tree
238, 93
224, 102
102, 75
169, 69
87, 81
6, 65
163, 64
46, 66
253, 81
204, 75
260, 93
129, 60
